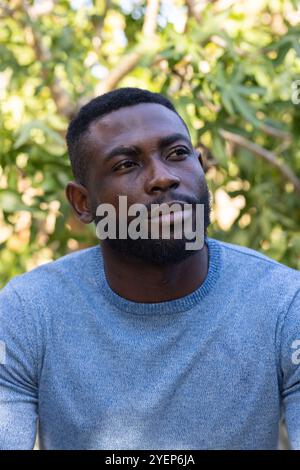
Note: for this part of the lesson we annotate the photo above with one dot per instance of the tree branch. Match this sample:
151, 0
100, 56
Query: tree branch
274, 132
98, 25
58, 93
265, 154
130, 60
192, 10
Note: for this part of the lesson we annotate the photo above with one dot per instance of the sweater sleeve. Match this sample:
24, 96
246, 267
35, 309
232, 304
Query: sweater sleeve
290, 370
18, 373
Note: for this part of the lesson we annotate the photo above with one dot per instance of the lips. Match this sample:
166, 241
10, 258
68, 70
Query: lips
173, 213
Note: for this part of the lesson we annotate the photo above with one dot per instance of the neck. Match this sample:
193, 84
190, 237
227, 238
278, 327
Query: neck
138, 281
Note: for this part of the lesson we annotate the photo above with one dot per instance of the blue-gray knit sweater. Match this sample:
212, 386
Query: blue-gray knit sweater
214, 369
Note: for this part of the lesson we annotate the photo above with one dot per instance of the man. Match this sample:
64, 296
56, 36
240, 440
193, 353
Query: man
140, 343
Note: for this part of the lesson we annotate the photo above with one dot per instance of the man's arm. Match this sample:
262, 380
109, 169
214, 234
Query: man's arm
18, 373
290, 370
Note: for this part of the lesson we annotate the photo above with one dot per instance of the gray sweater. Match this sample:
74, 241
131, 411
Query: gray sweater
215, 369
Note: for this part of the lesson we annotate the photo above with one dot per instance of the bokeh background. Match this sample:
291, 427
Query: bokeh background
228, 66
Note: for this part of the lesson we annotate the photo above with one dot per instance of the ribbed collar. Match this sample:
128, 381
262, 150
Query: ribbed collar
167, 307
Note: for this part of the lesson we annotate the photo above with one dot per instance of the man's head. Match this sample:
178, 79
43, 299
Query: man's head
79, 127
132, 142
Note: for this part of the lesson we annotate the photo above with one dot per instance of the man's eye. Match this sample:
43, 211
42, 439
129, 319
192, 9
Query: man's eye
179, 152
125, 164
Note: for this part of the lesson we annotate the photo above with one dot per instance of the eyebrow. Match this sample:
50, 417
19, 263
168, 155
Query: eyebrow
133, 150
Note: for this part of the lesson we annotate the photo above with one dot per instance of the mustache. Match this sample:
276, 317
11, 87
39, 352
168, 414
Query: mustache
177, 197
204, 198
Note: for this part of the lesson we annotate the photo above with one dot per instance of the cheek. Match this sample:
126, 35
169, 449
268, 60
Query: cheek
193, 174
110, 192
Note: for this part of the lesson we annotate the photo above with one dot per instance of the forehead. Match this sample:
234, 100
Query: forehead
139, 124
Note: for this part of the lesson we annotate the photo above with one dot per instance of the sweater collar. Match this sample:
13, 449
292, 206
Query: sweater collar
166, 307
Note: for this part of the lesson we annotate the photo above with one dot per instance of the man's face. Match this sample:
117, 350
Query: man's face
144, 152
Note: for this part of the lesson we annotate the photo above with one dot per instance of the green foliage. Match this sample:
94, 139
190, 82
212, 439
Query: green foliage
225, 70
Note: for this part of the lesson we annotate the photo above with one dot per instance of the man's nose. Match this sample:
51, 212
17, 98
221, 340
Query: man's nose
160, 179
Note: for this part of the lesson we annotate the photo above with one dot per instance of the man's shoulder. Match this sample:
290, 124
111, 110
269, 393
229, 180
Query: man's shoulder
72, 266
255, 263
251, 255
260, 278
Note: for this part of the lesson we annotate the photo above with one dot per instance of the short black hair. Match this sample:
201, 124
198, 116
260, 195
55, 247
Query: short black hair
97, 108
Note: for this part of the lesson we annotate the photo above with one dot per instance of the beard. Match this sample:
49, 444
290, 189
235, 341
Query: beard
161, 251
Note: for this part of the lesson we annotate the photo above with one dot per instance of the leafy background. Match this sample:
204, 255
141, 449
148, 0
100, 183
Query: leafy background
228, 66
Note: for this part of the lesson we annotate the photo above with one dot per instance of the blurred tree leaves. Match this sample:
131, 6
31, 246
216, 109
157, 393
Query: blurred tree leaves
227, 66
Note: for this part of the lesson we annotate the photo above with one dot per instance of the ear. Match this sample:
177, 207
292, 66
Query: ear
200, 158
78, 197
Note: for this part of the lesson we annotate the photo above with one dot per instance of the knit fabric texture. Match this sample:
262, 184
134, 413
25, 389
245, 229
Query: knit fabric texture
88, 369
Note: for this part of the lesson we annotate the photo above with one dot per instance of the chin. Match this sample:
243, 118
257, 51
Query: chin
159, 252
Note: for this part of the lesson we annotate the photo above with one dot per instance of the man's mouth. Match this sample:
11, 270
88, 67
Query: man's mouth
171, 212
